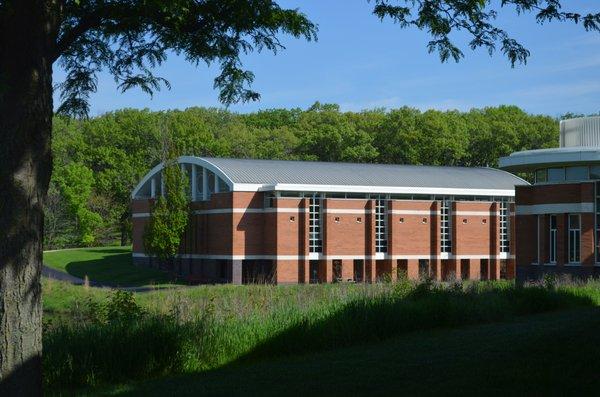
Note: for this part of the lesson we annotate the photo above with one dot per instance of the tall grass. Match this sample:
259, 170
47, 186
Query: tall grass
205, 328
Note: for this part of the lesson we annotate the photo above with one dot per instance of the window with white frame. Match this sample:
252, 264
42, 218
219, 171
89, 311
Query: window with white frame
574, 238
553, 233
380, 226
445, 238
315, 242
504, 227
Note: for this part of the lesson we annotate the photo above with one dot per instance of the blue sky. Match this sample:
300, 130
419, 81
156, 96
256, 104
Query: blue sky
362, 63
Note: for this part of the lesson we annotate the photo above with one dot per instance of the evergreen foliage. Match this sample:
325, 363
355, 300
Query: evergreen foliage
170, 214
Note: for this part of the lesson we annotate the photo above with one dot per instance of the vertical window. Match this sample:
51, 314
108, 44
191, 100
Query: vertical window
423, 268
556, 174
574, 238
445, 240
504, 227
337, 271
359, 266
553, 232
313, 269
270, 199
541, 176
380, 226
315, 242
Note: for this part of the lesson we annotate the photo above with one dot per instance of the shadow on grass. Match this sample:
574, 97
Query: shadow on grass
372, 320
154, 347
117, 270
115, 250
555, 353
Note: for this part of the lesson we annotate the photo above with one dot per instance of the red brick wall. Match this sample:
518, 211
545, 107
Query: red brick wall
275, 233
478, 235
414, 234
347, 235
554, 194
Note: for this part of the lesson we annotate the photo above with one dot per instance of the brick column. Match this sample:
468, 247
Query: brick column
587, 239
412, 272
347, 269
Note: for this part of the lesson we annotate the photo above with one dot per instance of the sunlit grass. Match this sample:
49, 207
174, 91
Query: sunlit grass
208, 327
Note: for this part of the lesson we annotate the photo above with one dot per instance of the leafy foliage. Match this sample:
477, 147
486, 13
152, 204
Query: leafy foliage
75, 181
442, 18
130, 38
169, 215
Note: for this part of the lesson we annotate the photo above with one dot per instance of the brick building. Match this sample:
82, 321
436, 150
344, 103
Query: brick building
303, 222
558, 217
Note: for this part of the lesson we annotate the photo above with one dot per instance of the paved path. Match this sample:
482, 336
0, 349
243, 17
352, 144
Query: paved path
62, 276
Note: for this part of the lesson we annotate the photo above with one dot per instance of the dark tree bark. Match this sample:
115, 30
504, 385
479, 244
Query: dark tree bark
125, 226
27, 29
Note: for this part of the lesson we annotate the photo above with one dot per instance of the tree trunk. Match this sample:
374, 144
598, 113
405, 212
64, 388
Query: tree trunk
26, 32
125, 227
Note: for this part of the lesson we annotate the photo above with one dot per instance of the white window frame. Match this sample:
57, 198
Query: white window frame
315, 216
445, 227
574, 239
553, 233
380, 225
504, 227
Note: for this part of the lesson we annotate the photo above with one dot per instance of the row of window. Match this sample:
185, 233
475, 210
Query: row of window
425, 270
202, 184
315, 240
574, 238
562, 174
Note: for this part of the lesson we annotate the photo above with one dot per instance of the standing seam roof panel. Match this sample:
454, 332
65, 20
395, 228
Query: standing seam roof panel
271, 172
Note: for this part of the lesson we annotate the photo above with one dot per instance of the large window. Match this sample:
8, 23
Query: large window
315, 242
553, 233
577, 173
504, 227
561, 174
445, 239
574, 238
380, 226
556, 174
541, 176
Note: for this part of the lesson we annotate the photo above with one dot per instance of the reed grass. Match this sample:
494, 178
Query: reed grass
204, 328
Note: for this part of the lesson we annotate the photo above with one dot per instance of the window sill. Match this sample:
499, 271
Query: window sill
575, 264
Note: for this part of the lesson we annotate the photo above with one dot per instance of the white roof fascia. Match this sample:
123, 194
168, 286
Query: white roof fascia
383, 189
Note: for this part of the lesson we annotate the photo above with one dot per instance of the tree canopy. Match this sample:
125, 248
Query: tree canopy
115, 150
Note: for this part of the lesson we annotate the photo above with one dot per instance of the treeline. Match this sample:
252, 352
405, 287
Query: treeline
98, 162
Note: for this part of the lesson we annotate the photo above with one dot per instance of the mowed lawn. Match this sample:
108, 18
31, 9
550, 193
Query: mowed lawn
548, 354
108, 265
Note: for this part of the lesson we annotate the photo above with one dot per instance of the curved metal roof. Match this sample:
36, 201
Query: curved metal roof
269, 175
529, 160
274, 172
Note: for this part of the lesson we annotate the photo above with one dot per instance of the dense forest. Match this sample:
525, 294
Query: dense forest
98, 161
